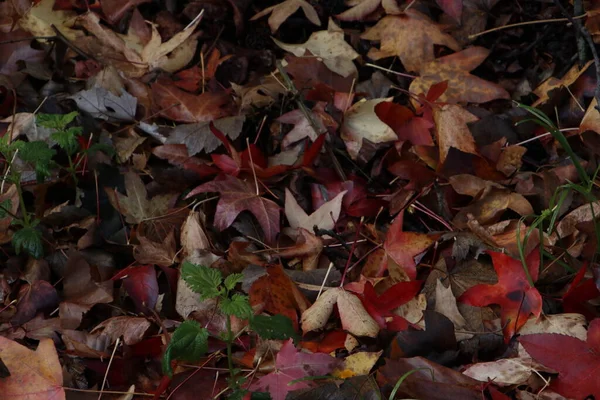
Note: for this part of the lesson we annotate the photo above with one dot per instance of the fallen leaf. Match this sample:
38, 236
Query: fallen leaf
163, 254
355, 319
238, 196
462, 86
141, 285
428, 380
198, 137
411, 37
514, 293
445, 304
544, 90
324, 217
506, 371
452, 7
34, 375
308, 247
402, 247
40, 18
282, 11
81, 291
302, 127
576, 361
114, 10
136, 206
33, 298
355, 364
177, 105
361, 122
452, 130
380, 306
330, 46
134, 55
102, 104
132, 329
293, 365
276, 293
582, 214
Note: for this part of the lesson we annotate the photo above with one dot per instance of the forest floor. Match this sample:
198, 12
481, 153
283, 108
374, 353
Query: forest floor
299, 199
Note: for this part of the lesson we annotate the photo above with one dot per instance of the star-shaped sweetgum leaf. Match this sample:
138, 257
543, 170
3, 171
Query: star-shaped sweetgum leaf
237, 196
402, 247
293, 365
514, 294
577, 362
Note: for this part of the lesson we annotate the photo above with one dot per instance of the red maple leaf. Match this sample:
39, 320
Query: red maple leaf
577, 362
381, 306
141, 284
514, 294
238, 196
293, 365
403, 247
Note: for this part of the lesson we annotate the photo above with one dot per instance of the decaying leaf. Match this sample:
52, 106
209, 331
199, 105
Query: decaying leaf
355, 319
411, 37
330, 46
361, 122
462, 86
238, 196
282, 11
34, 375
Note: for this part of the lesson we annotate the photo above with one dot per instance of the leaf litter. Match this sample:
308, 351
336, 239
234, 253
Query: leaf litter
401, 204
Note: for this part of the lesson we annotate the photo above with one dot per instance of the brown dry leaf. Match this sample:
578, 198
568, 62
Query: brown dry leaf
462, 86
591, 119
40, 18
276, 293
163, 253
445, 304
569, 324
503, 372
361, 122
136, 207
355, 319
488, 210
452, 131
12, 195
510, 159
360, 363
584, 213
81, 291
410, 36
177, 105
131, 328
170, 56
308, 247
193, 237
325, 217
552, 83
413, 310
330, 46
282, 11
34, 375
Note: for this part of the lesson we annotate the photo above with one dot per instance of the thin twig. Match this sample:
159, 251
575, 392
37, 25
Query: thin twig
539, 21
112, 356
309, 117
70, 45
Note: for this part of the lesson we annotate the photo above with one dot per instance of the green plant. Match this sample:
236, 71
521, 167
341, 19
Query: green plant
545, 222
64, 136
189, 342
26, 237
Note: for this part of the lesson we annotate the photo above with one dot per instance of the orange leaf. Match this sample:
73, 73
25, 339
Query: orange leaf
411, 37
462, 86
34, 375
